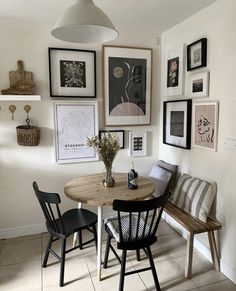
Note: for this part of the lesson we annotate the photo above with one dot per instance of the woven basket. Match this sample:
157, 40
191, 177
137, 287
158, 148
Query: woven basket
28, 135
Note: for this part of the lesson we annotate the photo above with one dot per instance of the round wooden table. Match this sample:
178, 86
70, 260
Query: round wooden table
90, 190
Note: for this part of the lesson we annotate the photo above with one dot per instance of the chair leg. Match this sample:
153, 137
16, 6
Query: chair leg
107, 251
122, 270
62, 269
138, 255
189, 257
214, 252
80, 239
95, 236
45, 260
154, 273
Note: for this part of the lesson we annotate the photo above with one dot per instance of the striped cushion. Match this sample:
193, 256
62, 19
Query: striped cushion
195, 196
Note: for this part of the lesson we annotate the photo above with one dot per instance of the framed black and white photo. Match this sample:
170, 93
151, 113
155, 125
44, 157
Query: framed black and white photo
197, 54
205, 124
74, 122
199, 85
177, 123
174, 72
120, 135
137, 144
72, 73
127, 85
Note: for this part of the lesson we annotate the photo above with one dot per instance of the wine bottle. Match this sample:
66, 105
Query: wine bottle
132, 178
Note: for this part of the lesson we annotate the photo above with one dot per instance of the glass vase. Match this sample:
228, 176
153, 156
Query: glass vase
108, 181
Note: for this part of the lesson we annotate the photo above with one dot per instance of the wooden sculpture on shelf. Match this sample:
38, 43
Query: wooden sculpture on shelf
21, 82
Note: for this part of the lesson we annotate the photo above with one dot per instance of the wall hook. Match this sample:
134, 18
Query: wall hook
12, 109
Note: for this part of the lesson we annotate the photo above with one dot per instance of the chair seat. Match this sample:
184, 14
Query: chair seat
75, 219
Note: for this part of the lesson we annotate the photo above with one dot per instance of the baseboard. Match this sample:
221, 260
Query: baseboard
227, 270
22, 230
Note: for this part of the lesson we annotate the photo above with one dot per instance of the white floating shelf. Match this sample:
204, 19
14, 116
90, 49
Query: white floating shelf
20, 98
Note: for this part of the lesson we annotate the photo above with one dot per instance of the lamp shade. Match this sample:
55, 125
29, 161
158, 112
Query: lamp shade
84, 23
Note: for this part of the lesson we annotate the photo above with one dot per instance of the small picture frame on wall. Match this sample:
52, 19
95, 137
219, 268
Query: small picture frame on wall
120, 134
174, 72
205, 124
72, 73
137, 144
197, 54
199, 85
177, 123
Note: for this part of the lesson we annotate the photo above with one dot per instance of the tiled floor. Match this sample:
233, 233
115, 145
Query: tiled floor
20, 267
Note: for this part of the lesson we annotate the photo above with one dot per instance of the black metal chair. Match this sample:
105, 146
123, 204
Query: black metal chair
61, 226
135, 230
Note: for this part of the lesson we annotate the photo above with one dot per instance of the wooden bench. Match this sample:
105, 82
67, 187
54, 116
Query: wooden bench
195, 226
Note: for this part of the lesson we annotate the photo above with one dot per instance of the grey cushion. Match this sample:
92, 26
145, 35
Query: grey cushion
160, 178
173, 169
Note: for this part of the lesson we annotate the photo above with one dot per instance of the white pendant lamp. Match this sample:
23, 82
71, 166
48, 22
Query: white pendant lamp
84, 23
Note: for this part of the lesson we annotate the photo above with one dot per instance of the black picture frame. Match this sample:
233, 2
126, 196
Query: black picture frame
72, 73
197, 54
177, 117
120, 134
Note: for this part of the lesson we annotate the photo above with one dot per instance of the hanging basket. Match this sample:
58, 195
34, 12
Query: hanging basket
28, 135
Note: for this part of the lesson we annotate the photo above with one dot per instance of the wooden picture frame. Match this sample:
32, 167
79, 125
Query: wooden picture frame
74, 122
199, 85
72, 73
137, 144
197, 54
177, 117
127, 85
205, 124
120, 135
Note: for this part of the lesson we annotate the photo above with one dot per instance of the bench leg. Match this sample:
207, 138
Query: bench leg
214, 253
189, 258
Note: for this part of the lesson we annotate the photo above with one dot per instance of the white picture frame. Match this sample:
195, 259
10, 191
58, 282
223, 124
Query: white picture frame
199, 85
137, 144
205, 124
74, 122
174, 72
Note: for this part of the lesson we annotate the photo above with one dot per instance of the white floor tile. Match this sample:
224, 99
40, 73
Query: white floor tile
220, 286
83, 284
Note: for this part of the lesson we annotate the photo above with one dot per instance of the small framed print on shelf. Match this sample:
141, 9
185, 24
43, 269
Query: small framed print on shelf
177, 123
199, 85
120, 134
137, 144
197, 54
72, 73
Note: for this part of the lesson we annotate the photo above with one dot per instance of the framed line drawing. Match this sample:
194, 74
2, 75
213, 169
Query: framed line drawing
137, 144
177, 118
127, 85
205, 124
120, 134
197, 54
174, 72
72, 73
199, 85
74, 122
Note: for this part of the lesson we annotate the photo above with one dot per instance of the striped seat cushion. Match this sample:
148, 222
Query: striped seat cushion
195, 196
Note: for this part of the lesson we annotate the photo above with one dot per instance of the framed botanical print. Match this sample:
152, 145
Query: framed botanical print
205, 125
174, 72
74, 122
127, 85
199, 85
120, 135
197, 54
177, 123
72, 73
137, 144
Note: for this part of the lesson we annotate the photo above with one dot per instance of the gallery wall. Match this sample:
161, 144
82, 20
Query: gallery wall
215, 23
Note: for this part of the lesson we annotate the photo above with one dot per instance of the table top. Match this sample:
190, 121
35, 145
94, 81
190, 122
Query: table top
89, 189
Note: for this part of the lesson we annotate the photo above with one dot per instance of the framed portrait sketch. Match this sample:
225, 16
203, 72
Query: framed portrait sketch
72, 73
174, 72
127, 85
120, 135
74, 122
197, 54
137, 144
177, 123
205, 125
199, 84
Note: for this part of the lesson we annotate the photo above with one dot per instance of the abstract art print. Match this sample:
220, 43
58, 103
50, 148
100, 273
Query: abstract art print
197, 54
137, 144
177, 123
205, 125
72, 73
74, 122
199, 85
127, 85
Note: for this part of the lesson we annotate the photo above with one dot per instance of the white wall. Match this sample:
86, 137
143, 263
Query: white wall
217, 23
20, 166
